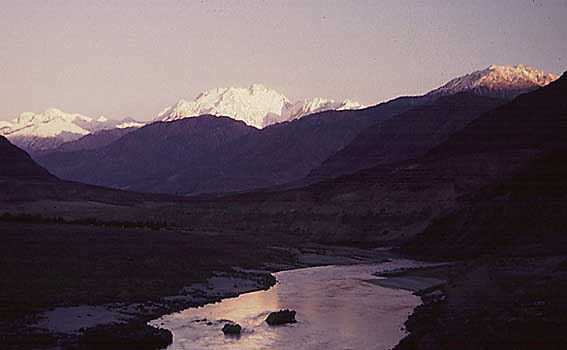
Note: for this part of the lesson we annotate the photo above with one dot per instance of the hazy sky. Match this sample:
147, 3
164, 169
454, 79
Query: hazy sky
131, 58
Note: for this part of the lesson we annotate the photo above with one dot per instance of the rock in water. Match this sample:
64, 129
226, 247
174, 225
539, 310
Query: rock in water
125, 336
281, 317
232, 329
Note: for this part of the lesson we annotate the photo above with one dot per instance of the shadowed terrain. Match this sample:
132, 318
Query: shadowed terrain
217, 154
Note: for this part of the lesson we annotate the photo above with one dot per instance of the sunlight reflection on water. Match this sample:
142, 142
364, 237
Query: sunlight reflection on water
336, 309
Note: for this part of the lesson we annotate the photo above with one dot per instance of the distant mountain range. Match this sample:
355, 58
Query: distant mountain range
188, 158
53, 127
216, 154
256, 105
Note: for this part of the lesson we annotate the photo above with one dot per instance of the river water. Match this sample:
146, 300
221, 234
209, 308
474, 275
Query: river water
337, 308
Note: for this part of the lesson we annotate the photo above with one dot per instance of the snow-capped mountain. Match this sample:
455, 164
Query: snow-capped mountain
314, 105
498, 81
130, 124
256, 105
52, 127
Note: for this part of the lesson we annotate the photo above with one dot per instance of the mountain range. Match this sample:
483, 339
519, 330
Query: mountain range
214, 154
501, 160
256, 105
439, 202
188, 158
53, 127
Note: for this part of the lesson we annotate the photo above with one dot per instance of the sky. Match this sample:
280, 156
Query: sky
132, 58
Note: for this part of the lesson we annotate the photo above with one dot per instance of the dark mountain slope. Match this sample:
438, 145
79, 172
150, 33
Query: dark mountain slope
288, 151
527, 205
23, 180
17, 164
157, 157
527, 211
408, 135
536, 120
209, 154
92, 141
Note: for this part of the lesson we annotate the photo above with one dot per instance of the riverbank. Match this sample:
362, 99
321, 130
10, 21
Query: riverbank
493, 302
60, 278
56, 274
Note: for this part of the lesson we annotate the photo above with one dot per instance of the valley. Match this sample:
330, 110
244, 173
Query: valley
98, 240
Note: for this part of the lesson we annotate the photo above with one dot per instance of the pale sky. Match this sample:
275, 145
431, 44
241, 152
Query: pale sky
131, 58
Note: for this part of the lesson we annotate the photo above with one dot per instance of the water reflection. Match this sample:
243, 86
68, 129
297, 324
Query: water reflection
336, 309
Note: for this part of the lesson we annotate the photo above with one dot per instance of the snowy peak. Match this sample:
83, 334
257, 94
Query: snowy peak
48, 129
53, 122
498, 81
256, 105
250, 105
49, 123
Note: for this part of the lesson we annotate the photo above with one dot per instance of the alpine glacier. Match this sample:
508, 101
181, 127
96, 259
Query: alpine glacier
256, 105
498, 81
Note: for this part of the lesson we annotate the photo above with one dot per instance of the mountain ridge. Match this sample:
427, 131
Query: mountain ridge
256, 105
505, 82
265, 157
408, 135
53, 127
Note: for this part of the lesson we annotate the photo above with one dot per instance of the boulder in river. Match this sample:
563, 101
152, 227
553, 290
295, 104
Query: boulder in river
134, 335
281, 317
232, 329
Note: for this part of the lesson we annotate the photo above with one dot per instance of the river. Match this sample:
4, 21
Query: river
337, 308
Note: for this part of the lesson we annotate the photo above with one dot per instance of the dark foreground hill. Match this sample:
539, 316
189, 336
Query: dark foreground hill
18, 164
511, 293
